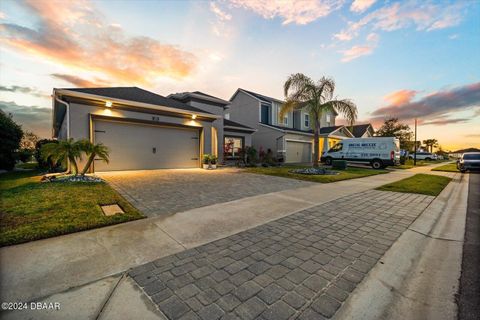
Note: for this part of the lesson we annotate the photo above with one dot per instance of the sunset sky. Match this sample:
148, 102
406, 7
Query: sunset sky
392, 58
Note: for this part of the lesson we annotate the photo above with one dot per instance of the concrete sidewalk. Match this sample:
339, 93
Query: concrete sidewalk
69, 266
419, 276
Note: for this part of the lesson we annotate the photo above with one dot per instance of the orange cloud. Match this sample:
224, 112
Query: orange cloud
400, 97
73, 34
80, 82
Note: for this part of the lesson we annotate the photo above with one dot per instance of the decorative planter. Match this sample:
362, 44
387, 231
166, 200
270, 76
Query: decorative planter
209, 166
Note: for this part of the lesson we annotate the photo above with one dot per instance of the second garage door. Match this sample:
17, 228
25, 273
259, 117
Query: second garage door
137, 146
298, 152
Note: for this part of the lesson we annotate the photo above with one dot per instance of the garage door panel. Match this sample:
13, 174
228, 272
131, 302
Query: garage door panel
298, 152
137, 146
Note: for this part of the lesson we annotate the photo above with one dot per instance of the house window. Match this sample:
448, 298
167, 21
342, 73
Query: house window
265, 114
285, 120
307, 121
232, 147
328, 119
227, 116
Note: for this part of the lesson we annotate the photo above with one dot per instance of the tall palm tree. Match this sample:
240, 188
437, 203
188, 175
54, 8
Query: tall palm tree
64, 152
93, 151
315, 98
431, 143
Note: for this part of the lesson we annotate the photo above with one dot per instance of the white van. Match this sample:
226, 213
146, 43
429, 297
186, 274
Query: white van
378, 152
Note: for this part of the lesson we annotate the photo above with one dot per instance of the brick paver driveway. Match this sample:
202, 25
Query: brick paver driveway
158, 192
301, 266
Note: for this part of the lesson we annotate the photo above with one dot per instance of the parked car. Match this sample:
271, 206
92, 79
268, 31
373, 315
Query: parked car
379, 152
424, 156
469, 161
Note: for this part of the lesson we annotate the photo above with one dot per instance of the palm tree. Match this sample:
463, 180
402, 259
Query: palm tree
93, 151
301, 92
64, 152
431, 143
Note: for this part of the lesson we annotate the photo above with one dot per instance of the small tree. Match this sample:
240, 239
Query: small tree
93, 151
29, 140
10, 136
63, 152
393, 128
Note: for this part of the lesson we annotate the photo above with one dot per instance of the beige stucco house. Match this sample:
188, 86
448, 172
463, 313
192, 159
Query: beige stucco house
144, 130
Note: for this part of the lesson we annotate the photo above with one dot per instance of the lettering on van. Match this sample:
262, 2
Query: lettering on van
362, 145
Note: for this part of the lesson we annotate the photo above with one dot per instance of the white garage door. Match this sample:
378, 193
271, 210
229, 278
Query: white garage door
138, 146
298, 152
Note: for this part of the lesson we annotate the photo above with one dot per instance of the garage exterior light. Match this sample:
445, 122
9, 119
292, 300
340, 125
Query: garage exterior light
108, 104
194, 116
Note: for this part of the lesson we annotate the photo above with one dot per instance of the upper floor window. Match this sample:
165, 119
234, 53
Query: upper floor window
307, 120
285, 120
328, 120
227, 116
265, 114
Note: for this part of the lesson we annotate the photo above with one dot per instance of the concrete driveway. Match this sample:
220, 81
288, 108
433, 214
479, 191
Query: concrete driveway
163, 192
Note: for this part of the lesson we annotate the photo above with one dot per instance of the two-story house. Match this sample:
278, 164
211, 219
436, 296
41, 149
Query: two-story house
230, 137
289, 138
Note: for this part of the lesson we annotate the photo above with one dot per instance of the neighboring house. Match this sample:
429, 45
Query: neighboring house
143, 130
232, 136
289, 138
362, 130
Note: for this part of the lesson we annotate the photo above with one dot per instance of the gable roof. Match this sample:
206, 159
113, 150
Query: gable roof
360, 129
326, 130
198, 95
136, 94
258, 96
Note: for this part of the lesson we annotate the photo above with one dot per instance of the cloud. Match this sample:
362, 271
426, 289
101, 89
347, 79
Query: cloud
433, 108
475, 135
400, 97
426, 16
25, 90
222, 15
356, 52
361, 50
72, 33
32, 118
361, 5
445, 121
299, 12
80, 82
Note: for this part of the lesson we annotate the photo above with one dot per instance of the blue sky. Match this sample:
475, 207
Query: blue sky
389, 57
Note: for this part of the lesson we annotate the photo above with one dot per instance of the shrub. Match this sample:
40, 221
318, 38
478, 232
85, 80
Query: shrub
206, 158
402, 159
25, 155
251, 153
10, 136
339, 164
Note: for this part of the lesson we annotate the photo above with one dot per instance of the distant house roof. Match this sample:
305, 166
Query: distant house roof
360, 129
137, 95
466, 150
258, 96
199, 96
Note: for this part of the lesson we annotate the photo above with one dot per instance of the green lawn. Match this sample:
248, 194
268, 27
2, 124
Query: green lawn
350, 173
450, 167
27, 165
427, 184
32, 210
420, 163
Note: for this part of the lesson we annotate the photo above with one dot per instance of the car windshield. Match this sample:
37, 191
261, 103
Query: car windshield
471, 156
